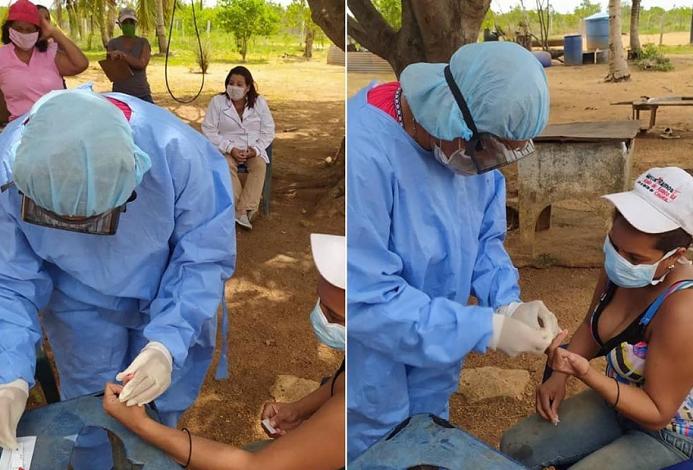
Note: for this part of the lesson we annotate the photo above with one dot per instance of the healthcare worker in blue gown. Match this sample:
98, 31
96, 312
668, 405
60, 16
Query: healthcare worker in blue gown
426, 224
117, 223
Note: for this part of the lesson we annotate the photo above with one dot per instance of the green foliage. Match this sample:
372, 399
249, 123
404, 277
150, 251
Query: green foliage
587, 8
203, 56
675, 19
651, 58
297, 18
391, 11
247, 19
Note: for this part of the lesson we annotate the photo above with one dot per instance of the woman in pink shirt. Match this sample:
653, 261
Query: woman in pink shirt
30, 67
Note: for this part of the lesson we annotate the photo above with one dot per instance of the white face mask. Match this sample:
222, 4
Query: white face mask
330, 334
235, 92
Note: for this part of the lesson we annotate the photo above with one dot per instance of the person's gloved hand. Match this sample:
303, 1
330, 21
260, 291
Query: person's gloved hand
13, 397
512, 337
148, 376
531, 313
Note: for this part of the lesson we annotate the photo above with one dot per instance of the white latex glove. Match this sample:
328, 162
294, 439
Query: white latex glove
512, 337
530, 313
148, 376
13, 397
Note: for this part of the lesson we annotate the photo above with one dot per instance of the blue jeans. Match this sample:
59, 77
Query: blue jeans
591, 435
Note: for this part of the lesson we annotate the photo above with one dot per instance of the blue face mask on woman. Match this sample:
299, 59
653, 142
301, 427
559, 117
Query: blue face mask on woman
624, 274
328, 333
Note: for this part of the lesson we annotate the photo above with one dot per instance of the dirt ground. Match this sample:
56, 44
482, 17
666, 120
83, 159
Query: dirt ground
577, 94
272, 291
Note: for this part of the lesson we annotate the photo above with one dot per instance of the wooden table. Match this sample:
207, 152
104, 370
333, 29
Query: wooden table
652, 104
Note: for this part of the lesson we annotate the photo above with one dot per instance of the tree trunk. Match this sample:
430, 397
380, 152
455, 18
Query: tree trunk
73, 20
634, 28
618, 67
690, 39
111, 15
160, 27
432, 30
244, 48
308, 49
329, 15
59, 14
103, 26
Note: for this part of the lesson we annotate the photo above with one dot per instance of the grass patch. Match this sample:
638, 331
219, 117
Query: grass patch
651, 58
684, 49
184, 51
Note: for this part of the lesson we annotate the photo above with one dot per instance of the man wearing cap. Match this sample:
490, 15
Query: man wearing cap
426, 224
135, 52
122, 235
30, 66
639, 415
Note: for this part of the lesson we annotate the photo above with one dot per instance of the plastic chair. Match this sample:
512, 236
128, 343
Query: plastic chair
267, 188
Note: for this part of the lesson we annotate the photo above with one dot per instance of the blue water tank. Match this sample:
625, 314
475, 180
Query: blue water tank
597, 31
572, 49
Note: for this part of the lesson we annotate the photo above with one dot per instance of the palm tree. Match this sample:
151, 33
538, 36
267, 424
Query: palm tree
160, 28
634, 30
618, 67
102, 14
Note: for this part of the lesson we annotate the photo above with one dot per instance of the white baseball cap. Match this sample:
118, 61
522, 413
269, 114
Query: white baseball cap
660, 201
329, 254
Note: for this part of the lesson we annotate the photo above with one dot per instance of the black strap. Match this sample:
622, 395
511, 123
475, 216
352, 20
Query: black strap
460, 101
334, 379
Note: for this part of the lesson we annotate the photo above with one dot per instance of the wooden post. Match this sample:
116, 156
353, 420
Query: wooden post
661, 27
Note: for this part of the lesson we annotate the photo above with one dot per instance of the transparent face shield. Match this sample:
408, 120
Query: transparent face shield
102, 224
484, 152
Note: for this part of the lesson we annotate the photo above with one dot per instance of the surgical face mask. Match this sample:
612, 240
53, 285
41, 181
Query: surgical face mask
631, 276
24, 41
235, 92
328, 333
128, 30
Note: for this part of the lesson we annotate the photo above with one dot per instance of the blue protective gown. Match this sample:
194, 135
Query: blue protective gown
159, 278
420, 241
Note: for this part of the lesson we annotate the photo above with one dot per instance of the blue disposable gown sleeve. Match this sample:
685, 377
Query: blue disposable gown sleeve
384, 311
203, 247
25, 288
494, 279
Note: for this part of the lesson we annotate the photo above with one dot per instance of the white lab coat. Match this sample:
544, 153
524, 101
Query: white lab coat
225, 130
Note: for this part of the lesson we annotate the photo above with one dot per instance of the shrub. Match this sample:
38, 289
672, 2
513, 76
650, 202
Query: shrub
650, 58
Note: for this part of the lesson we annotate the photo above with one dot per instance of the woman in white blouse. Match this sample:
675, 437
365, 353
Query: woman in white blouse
239, 123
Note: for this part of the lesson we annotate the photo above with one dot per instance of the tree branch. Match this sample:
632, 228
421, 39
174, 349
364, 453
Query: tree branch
379, 37
329, 15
